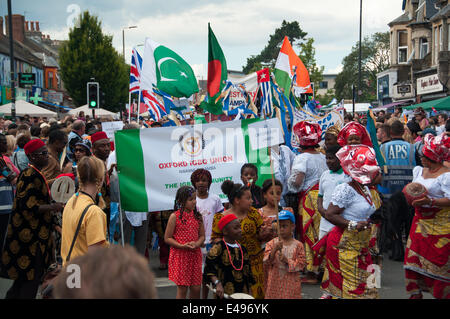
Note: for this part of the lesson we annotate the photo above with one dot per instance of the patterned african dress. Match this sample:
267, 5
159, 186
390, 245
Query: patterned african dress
283, 280
218, 264
29, 230
250, 226
427, 251
348, 260
308, 221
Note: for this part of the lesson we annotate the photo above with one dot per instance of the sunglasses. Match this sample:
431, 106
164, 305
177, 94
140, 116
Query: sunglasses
79, 150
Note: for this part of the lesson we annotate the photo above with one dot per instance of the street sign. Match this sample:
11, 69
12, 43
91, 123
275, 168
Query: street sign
27, 79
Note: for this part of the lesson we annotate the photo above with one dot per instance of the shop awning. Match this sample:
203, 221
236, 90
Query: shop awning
439, 105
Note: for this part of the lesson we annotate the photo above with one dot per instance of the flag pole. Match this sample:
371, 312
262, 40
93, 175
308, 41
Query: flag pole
129, 107
269, 149
138, 105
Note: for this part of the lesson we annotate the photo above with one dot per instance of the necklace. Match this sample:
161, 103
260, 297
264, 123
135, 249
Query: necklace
363, 193
229, 256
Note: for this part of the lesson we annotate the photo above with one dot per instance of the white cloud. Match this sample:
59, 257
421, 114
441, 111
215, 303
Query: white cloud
242, 27
335, 70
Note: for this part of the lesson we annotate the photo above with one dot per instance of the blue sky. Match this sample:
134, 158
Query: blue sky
241, 27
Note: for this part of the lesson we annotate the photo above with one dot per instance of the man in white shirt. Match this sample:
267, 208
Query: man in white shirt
440, 128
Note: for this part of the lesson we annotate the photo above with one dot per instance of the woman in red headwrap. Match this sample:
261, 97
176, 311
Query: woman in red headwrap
28, 249
349, 262
428, 246
354, 133
305, 175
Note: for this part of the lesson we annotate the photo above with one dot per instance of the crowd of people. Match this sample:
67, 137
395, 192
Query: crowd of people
328, 216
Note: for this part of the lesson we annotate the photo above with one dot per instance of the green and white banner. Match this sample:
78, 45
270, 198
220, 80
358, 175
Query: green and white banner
153, 163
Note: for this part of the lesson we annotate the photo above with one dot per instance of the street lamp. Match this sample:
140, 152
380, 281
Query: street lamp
123, 38
360, 52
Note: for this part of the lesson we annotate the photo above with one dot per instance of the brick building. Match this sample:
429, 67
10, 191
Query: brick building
420, 44
35, 53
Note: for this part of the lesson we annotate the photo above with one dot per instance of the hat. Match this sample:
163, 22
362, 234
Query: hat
437, 148
99, 136
86, 144
309, 134
359, 162
354, 128
225, 220
286, 215
333, 130
428, 130
71, 175
413, 126
33, 146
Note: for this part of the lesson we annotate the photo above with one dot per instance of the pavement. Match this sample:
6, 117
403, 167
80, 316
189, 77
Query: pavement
392, 282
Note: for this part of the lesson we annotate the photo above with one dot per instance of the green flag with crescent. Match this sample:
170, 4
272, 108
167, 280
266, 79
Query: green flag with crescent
166, 70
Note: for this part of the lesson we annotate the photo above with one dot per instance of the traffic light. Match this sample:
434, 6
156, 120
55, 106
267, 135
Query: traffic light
92, 95
102, 99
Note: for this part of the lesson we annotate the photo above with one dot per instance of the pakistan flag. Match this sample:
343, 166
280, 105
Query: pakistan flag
167, 71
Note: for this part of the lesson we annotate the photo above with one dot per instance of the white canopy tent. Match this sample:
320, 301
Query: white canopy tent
24, 108
87, 111
359, 107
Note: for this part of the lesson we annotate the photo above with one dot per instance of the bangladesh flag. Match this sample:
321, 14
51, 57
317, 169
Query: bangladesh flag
217, 75
154, 163
166, 70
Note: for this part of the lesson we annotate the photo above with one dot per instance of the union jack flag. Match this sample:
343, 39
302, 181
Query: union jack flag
135, 72
156, 109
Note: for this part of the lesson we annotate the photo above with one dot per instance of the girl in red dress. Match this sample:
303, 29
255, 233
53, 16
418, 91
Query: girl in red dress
185, 234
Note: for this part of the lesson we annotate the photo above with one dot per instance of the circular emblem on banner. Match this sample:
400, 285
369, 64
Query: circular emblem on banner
192, 143
63, 189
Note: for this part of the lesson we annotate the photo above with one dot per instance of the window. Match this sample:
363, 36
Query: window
441, 36
435, 39
402, 46
448, 36
323, 85
50, 80
423, 47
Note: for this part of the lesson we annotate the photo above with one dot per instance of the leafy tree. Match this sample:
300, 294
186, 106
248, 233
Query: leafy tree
375, 58
89, 54
269, 54
308, 57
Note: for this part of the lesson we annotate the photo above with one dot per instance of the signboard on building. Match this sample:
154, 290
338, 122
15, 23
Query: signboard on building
429, 84
27, 79
53, 96
403, 91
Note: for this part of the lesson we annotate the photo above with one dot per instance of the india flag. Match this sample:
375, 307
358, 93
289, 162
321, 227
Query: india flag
287, 61
153, 163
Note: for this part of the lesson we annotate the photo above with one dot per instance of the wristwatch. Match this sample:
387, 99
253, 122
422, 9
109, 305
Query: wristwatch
216, 282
